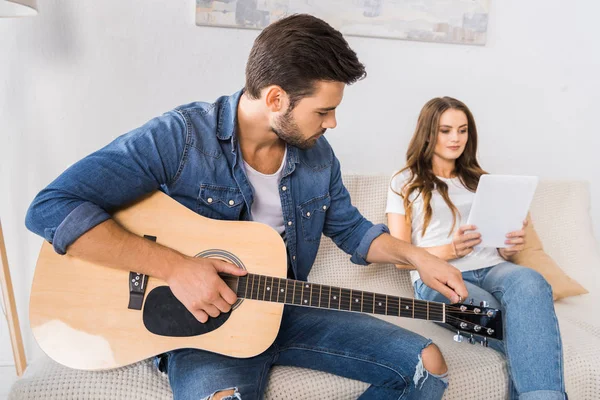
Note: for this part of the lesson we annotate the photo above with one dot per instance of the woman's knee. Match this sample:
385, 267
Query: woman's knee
433, 360
529, 281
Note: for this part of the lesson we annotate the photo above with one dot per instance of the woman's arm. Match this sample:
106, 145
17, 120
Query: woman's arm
400, 227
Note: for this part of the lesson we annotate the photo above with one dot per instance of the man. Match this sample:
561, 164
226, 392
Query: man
257, 155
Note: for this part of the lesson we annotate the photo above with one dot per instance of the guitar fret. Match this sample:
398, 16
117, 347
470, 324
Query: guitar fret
436, 312
386, 304
320, 295
278, 287
259, 291
362, 294
270, 287
295, 298
379, 307
325, 301
420, 311
405, 308
252, 294
306, 289
345, 299
315, 294
394, 306
367, 303
289, 299
355, 301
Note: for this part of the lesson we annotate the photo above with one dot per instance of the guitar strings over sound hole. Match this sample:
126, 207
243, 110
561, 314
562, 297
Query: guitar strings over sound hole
230, 258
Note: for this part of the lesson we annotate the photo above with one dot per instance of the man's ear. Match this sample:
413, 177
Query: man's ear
276, 99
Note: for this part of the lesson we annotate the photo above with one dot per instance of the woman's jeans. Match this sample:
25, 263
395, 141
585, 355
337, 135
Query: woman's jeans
531, 343
352, 345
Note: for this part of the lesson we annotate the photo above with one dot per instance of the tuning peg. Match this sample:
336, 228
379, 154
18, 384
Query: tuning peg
484, 304
472, 339
484, 342
458, 337
490, 331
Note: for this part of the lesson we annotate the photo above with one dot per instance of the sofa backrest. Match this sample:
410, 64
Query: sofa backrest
560, 212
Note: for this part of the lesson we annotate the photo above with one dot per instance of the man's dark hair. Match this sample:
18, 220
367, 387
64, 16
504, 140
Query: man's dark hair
297, 51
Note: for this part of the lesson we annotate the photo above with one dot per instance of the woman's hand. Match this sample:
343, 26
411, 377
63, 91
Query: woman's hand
516, 242
464, 239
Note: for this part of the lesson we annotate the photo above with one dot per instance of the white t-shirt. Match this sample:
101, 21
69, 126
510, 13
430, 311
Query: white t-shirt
438, 230
266, 207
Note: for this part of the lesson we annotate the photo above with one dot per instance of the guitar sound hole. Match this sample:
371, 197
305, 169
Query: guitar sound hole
166, 316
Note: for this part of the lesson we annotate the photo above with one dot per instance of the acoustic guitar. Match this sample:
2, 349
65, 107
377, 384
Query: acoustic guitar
92, 317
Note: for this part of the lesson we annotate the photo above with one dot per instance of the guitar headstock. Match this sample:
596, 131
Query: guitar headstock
475, 320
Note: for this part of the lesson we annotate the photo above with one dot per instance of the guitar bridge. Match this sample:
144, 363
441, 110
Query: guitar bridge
137, 286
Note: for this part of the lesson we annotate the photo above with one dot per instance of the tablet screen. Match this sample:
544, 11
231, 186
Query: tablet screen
500, 206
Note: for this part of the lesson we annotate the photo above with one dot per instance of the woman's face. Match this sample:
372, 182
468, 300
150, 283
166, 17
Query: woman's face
453, 133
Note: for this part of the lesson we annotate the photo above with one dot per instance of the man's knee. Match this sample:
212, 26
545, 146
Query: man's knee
433, 360
223, 394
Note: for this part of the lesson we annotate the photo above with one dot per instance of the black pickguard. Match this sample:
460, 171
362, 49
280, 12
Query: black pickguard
166, 316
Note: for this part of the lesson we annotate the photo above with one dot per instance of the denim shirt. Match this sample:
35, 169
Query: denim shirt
191, 153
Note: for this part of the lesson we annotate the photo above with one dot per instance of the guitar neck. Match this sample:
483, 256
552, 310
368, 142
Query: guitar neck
306, 294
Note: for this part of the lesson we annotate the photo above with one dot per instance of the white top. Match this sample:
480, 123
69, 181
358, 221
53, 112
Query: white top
438, 231
266, 207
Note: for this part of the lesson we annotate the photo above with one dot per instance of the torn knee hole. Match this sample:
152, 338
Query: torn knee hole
225, 394
433, 360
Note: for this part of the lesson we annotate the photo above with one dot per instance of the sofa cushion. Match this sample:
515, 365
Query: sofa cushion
475, 373
533, 256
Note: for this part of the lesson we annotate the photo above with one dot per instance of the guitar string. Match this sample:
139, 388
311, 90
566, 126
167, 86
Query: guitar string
418, 307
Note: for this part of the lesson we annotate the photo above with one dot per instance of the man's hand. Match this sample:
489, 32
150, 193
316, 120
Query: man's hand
196, 283
516, 242
440, 276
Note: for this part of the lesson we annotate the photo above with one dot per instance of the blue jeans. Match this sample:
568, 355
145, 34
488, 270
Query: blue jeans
355, 346
532, 344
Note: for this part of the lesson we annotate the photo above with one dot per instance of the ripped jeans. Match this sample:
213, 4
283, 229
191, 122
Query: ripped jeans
532, 344
351, 345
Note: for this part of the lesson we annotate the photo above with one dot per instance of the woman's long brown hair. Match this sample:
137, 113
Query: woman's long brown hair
420, 154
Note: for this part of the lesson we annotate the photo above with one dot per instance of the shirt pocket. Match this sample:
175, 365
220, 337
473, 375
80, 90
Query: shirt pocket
220, 202
312, 215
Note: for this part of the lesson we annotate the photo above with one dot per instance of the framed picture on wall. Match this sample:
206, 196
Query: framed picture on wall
444, 21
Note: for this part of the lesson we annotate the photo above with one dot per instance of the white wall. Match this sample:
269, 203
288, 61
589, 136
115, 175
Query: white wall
83, 72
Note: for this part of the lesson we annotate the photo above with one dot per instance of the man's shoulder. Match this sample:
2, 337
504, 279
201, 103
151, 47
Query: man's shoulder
203, 108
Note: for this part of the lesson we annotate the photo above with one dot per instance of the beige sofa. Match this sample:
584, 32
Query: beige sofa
560, 213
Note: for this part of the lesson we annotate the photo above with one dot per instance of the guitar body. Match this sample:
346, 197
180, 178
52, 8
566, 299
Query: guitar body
79, 311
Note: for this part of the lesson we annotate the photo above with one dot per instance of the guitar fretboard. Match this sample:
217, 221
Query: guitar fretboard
289, 291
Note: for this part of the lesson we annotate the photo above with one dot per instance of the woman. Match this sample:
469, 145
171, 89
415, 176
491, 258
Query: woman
428, 202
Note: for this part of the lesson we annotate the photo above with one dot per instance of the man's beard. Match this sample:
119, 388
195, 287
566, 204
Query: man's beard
288, 131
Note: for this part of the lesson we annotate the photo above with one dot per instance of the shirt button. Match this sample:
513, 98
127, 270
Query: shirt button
209, 200
324, 207
290, 223
308, 214
284, 188
231, 202
293, 257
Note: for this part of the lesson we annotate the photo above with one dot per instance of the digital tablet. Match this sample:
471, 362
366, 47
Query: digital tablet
500, 206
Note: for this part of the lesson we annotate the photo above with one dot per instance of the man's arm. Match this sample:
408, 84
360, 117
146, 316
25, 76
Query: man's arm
73, 213
194, 281
368, 243
435, 273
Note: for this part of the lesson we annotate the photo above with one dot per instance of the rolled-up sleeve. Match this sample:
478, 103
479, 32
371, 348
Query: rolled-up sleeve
345, 225
83, 196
